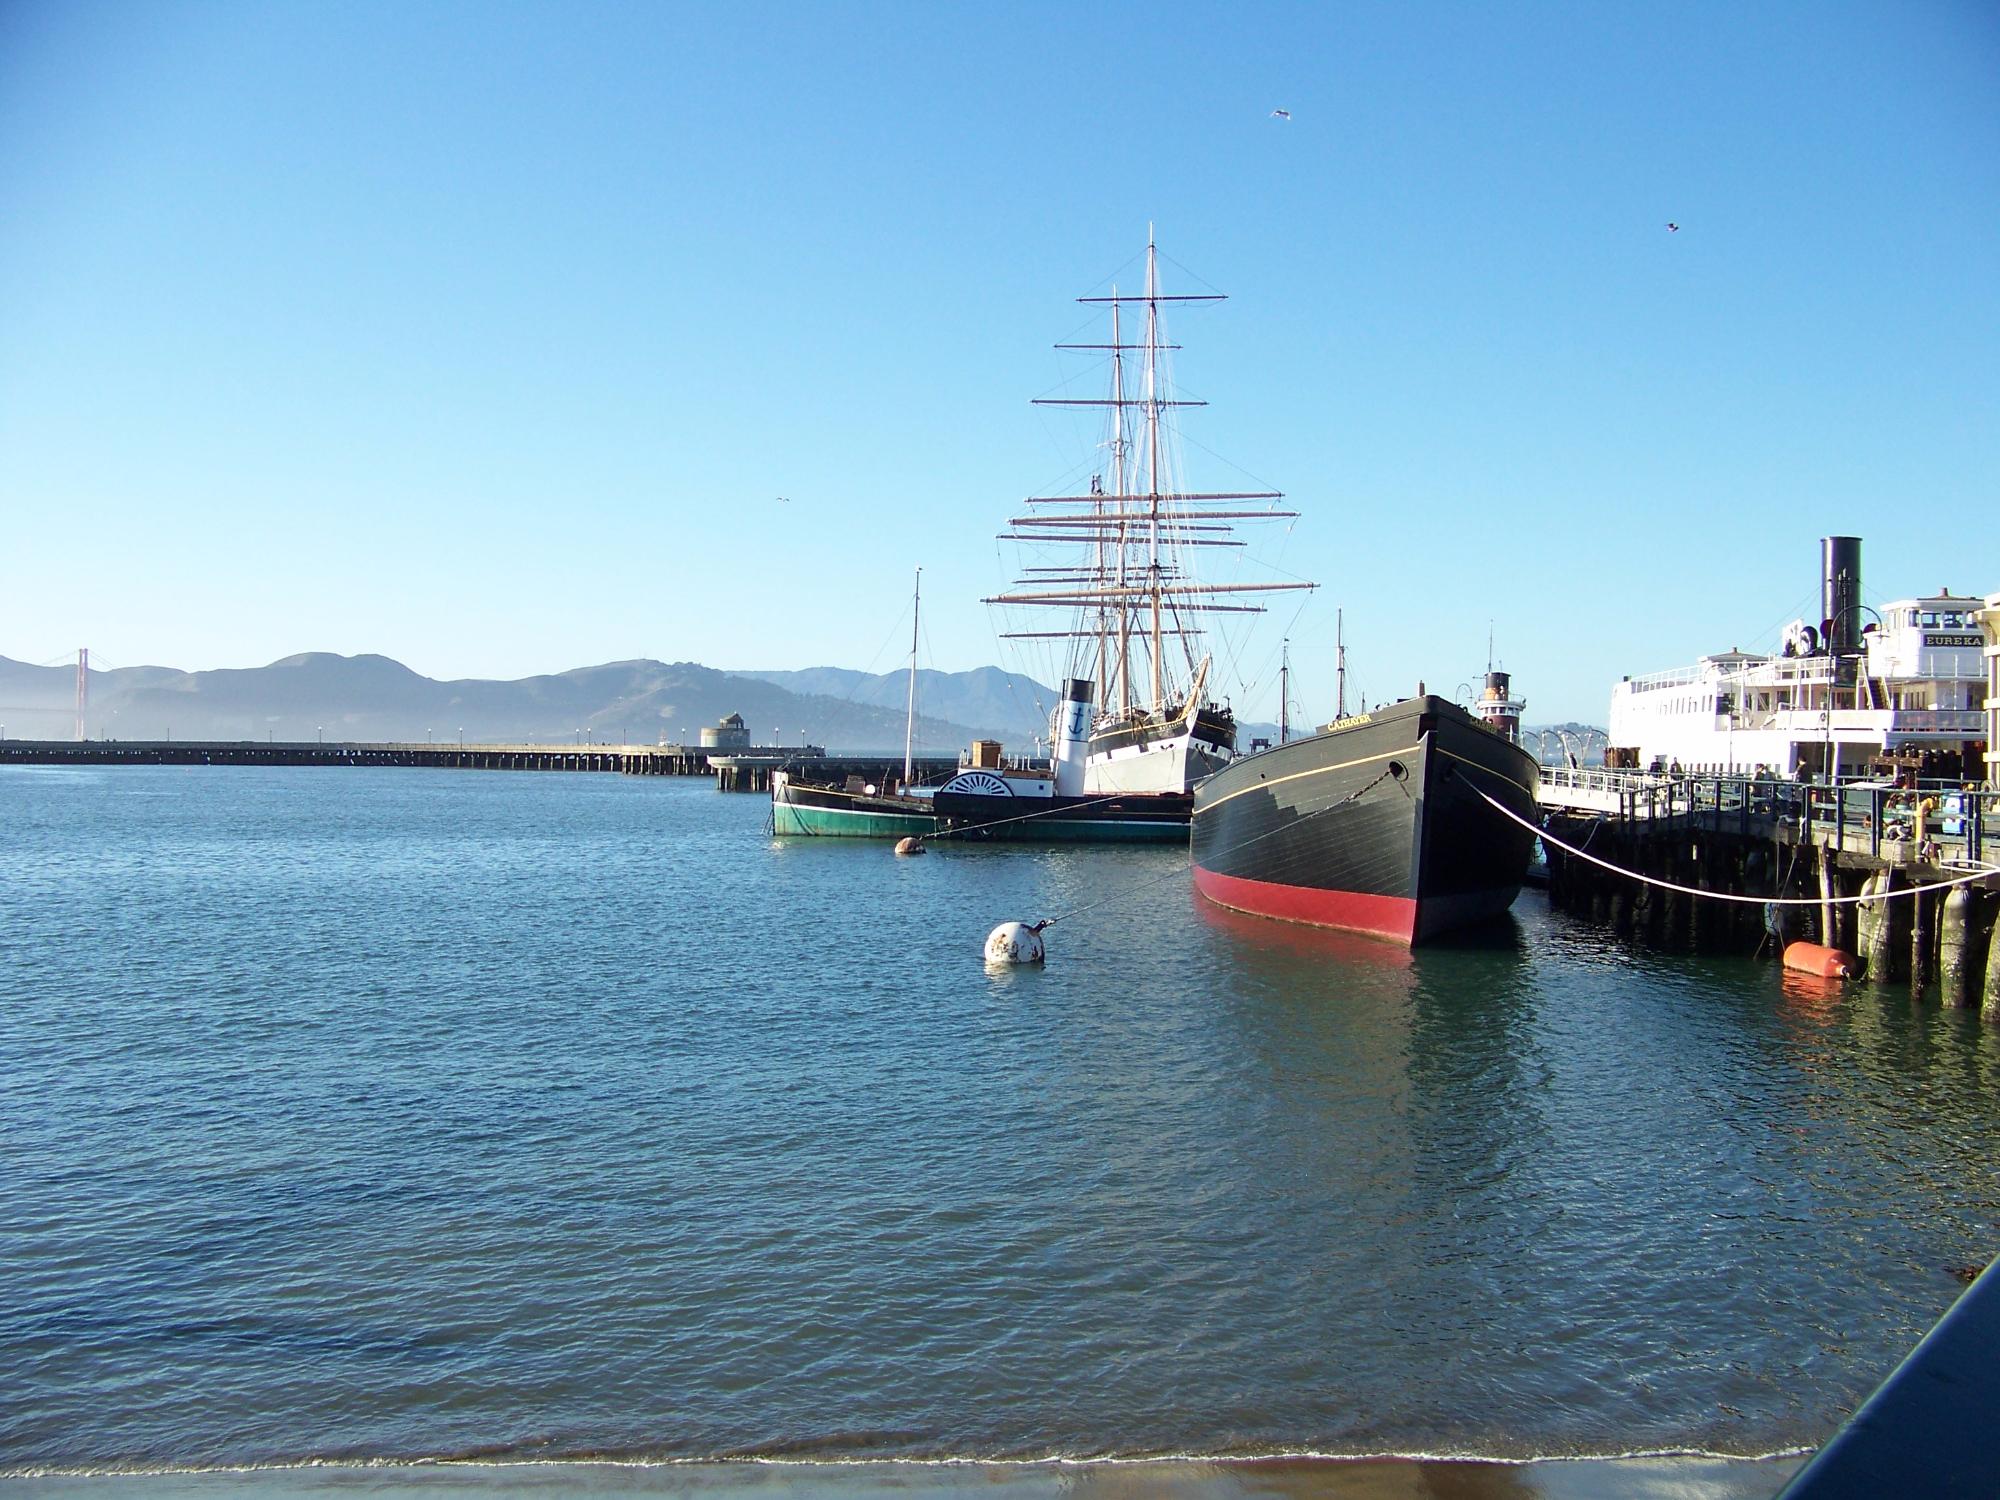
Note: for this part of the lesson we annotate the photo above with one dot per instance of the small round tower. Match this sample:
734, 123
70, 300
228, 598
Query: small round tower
730, 734
1498, 708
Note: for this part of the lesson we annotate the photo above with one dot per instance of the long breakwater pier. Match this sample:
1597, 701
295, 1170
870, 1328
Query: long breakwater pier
735, 770
1906, 878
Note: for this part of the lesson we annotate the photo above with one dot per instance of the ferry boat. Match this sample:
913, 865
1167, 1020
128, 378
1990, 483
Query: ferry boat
1377, 823
1843, 697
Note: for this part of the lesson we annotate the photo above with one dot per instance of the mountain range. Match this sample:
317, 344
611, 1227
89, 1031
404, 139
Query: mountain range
318, 695
373, 698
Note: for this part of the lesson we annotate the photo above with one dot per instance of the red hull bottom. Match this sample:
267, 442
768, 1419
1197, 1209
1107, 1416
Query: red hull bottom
1383, 916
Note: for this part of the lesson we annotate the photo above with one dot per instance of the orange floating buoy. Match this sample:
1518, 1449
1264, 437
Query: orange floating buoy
1827, 963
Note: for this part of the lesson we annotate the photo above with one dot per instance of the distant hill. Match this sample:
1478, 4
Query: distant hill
374, 698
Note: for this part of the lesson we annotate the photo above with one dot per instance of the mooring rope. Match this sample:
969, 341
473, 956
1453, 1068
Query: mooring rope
1783, 881
1140, 885
1689, 890
1045, 812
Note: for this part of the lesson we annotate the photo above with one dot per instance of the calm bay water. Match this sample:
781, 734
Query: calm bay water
406, 1114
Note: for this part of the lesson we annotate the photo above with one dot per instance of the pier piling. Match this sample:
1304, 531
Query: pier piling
1835, 860
1923, 941
1989, 1001
1873, 923
1957, 927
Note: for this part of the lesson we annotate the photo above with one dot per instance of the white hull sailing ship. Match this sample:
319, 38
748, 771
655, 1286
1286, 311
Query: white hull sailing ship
1136, 715
1136, 728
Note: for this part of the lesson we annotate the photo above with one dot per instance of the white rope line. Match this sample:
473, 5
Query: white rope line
1688, 890
1040, 812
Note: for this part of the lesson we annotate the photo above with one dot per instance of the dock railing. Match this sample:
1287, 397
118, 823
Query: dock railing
1929, 823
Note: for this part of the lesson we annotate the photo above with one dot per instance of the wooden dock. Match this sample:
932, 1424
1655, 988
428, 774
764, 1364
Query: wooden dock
1891, 873
747, 770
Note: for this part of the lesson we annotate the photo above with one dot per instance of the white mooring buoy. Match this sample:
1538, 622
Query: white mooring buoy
1015, 943
910, 846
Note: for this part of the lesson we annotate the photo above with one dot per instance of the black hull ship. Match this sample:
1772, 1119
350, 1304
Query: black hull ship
1374, 825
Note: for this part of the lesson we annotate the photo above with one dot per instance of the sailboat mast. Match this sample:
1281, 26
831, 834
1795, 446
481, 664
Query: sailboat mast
910, 727
1339, 668
1118, 489
1153, 456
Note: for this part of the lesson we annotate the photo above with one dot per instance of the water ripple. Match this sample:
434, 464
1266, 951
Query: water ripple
397, 1114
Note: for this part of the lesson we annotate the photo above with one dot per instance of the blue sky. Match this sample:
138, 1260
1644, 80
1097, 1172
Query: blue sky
486, 335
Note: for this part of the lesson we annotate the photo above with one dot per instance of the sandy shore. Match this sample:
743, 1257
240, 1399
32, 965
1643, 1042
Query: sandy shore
1175, 1479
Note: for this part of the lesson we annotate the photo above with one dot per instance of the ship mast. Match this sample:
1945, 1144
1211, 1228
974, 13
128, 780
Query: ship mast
1118, 488
910, 727
1339, 668
1110, 524
1285, 694
1153, 459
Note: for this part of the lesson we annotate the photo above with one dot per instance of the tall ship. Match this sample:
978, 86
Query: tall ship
1116, 567
1856, 692
1137, 725
1380, 823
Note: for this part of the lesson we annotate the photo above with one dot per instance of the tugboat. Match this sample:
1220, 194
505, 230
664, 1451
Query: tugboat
1376, 824
987, 800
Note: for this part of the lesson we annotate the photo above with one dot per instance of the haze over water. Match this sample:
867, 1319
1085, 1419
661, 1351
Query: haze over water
406, 1114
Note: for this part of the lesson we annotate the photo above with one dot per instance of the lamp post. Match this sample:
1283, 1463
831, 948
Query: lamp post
320, 730
461, 736
427, 737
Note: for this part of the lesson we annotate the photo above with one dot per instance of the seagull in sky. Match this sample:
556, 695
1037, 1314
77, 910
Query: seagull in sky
784, 499
1673, 229
1281, 114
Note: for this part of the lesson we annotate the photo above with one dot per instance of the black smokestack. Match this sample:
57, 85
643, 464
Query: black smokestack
1840, 593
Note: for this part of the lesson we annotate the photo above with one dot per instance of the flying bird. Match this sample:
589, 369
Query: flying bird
1673, 229
1281, 114
784, 499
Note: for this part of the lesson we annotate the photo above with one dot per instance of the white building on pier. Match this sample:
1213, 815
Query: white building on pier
1909, 689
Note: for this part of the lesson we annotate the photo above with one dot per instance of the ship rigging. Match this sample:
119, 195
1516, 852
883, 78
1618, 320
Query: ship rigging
1135, 588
